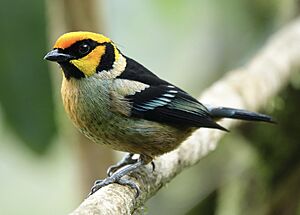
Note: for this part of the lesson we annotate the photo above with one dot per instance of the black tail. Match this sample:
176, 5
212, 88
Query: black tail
224, 112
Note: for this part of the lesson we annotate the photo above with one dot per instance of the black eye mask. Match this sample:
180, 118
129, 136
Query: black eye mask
81, 48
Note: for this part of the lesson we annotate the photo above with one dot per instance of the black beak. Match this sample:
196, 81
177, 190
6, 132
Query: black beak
57, 56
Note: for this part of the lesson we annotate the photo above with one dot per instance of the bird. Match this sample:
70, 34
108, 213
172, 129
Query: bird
116, 101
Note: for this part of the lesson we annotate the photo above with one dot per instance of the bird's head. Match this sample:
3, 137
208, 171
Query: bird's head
82, 54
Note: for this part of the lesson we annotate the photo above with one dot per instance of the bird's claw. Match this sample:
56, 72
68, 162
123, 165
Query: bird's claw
124, 167
153, 166
126, 160
131, 184
126, 182
112, 169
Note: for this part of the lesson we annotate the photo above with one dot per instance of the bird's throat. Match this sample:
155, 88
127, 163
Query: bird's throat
71, 71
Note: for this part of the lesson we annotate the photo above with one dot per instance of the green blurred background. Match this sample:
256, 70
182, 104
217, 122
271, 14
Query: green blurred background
46, 167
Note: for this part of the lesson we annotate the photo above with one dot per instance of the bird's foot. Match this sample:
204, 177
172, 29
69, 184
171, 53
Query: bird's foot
117, 176
126, 160
109, 180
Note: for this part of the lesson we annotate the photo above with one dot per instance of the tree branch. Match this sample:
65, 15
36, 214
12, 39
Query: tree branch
248, 87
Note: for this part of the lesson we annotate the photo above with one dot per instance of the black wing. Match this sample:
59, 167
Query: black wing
137, 72
164, 102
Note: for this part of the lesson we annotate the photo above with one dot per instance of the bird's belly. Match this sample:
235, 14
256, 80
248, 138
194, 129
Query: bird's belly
93, 116
132, 135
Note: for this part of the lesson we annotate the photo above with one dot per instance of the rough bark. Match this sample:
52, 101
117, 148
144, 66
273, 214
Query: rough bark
249, 87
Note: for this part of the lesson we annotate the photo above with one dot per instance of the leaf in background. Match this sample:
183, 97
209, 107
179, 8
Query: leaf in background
25, 90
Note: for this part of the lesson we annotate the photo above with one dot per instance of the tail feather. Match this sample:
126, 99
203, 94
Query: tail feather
224, 112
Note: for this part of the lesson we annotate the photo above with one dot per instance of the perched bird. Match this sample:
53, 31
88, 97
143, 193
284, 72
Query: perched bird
115, 101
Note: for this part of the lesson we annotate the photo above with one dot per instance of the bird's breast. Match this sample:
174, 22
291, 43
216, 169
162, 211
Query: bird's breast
86, 101
89, 105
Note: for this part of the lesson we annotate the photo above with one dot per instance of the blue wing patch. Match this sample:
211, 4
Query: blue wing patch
161, 96
170, 105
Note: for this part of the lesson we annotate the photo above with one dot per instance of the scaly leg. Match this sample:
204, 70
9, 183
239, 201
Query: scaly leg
126, 160
117, 177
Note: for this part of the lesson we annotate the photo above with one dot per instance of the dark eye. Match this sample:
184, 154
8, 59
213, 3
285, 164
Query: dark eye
84, 48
